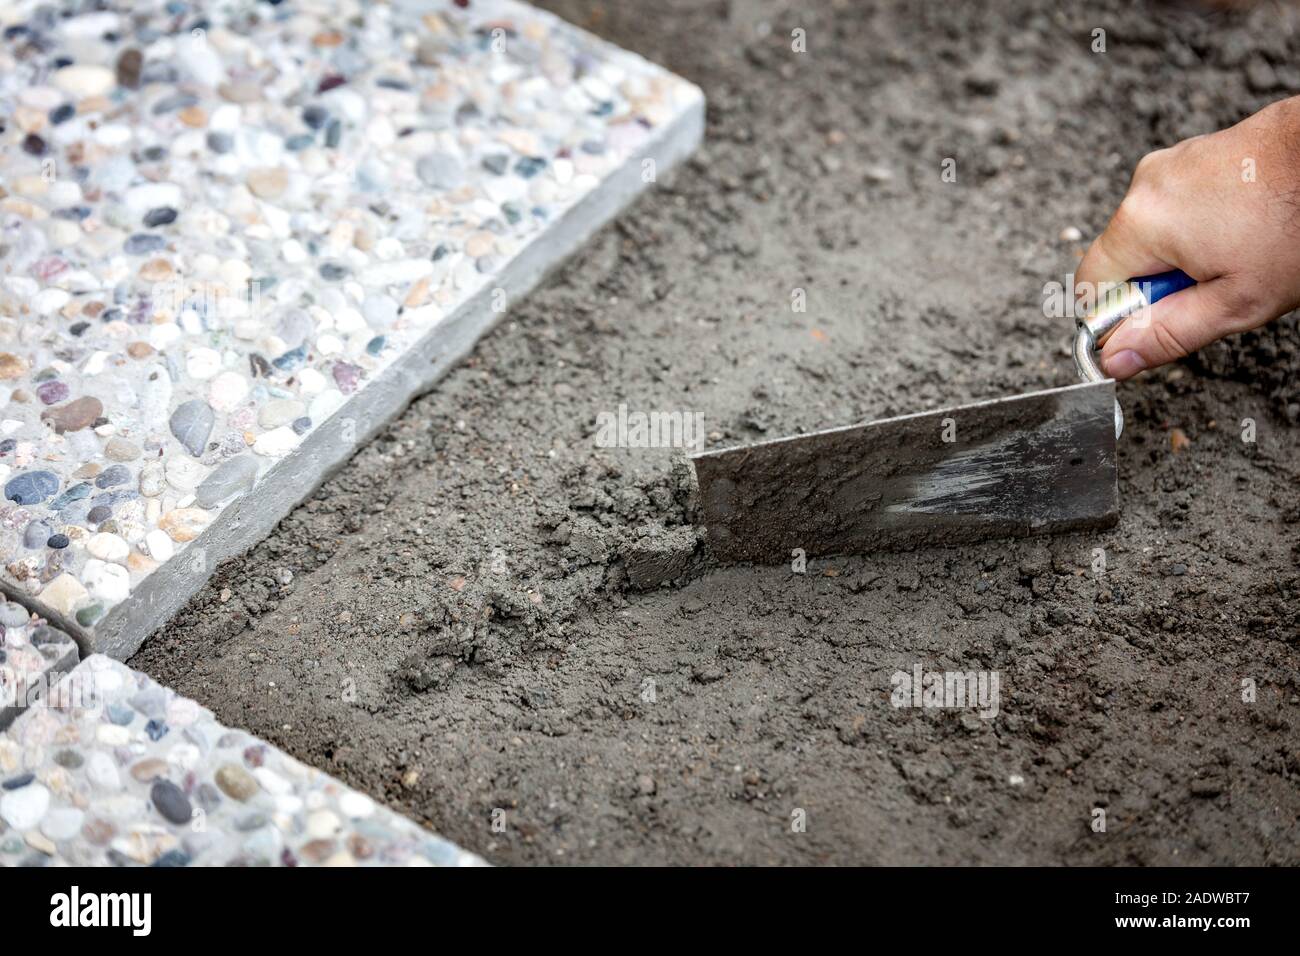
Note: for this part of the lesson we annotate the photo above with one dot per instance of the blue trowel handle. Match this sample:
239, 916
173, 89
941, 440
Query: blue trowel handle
1158, 286
1113, 308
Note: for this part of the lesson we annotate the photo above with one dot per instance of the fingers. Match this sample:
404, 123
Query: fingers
1176, 326
1122, 251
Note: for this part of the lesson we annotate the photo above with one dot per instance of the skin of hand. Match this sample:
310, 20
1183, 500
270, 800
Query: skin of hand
1224, 208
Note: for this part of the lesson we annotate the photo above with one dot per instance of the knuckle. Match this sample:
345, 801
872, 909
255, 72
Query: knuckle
1148, 193
1130, 213
1150, 164
1154, 174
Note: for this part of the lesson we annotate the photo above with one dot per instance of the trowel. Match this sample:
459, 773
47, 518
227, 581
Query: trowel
1036, 463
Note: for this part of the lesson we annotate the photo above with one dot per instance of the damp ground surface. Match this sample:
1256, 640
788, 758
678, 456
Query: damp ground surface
466, 621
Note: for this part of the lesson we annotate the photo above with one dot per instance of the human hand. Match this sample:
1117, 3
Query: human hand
1224, 208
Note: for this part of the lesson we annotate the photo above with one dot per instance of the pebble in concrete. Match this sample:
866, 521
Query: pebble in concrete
114, 769
33, 655
235, 249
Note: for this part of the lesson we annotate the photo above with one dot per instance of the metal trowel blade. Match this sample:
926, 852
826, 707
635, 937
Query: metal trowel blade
1030, 464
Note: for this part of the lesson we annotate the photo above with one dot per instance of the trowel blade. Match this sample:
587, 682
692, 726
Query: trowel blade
1031, 464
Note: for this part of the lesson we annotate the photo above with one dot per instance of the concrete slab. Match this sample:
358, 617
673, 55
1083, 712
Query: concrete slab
114, 769
33, 656
240, 241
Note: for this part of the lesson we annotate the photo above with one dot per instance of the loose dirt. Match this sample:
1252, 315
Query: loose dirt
468, 621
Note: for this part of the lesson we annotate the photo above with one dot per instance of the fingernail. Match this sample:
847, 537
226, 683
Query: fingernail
1124, 364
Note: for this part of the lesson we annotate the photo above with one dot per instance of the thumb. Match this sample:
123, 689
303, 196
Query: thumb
1172, 328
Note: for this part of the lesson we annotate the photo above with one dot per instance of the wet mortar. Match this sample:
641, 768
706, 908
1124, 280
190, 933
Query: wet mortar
469, 616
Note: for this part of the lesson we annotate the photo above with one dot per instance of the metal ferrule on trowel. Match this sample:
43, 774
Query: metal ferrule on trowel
1116, 305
